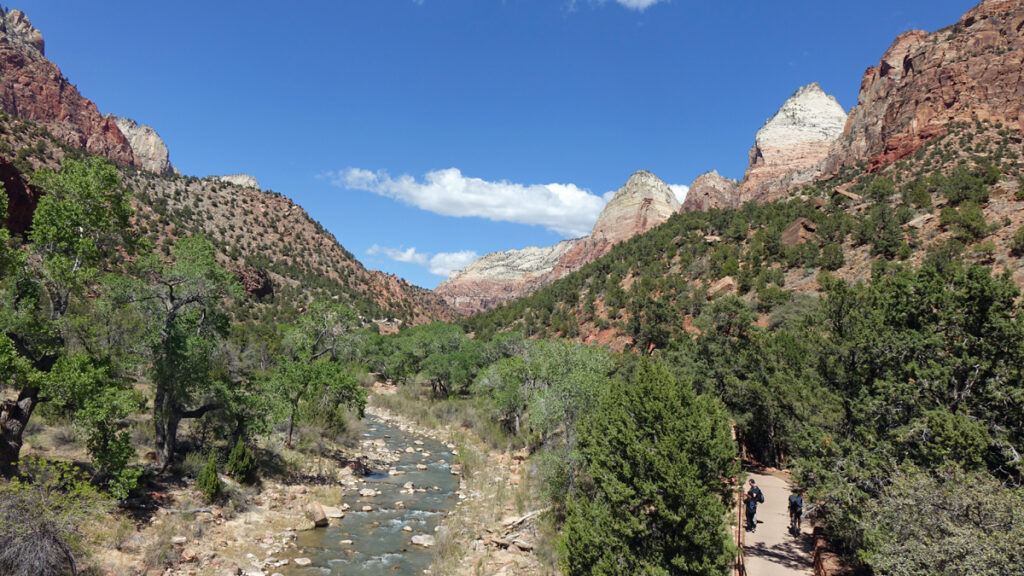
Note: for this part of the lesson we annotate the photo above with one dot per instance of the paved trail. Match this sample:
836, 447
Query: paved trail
771, 550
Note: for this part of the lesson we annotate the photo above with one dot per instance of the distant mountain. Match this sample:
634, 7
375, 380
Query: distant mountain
641, 204
927, 168
272, 244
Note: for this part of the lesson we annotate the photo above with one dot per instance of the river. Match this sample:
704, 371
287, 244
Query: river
381, 539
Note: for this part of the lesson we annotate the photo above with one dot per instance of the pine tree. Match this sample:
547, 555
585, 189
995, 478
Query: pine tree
654, 500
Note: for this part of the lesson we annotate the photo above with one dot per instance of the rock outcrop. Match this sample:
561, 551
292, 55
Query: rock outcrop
147, 146
641, 204
789, 148
500, 276
711, 190
924, 82
244, 180
33, 88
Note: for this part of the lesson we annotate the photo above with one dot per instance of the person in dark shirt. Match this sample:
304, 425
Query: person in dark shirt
754, 497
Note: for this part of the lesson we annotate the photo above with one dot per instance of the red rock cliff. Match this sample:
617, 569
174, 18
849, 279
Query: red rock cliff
924, 82
33, 88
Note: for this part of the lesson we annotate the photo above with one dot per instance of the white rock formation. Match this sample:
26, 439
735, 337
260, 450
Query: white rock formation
791, 144
512, 264
15, 25
244, 180
149, 149
500, 276
643, 203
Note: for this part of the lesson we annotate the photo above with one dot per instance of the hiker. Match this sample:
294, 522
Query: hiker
754, 497
796, 511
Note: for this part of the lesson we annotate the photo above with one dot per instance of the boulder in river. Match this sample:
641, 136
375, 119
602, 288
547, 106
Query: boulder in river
315, 512
425, 540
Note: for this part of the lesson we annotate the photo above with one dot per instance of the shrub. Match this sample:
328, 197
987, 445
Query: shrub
207, 481
40, 519
242, 462
1017, 244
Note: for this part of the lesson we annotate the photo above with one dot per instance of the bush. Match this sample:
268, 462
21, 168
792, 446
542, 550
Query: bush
242, 463
1017, 244
207, 481
40, 519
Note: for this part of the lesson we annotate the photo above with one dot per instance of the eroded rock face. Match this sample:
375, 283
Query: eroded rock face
147, 146
924, 82
33, 88
711, 190
500, 276
240, 180
643, 203
789, 148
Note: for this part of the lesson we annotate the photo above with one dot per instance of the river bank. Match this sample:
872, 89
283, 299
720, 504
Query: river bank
473, 511
495, 528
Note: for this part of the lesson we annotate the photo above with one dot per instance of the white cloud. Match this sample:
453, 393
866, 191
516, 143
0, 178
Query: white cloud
680, 191
563, 208
638, 5
444, 263
409, 255
441, 264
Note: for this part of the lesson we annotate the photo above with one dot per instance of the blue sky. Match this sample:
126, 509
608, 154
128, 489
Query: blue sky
422, 132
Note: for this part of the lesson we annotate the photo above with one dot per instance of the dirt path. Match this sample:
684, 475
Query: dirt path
771, 550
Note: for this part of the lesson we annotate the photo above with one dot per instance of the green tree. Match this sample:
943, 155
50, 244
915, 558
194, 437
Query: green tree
77, 228
181, 304
944, 522
655, 495
312, 370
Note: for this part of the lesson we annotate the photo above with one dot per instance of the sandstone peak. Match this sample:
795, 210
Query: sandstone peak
14, 24
149, 149
790, 146
809, 115
244, 180
711, 190
641, 204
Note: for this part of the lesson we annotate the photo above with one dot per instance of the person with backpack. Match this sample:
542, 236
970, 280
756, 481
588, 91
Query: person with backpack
754, 497
796, 511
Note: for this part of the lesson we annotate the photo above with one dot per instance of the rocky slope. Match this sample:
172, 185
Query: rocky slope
272, 245
149, 149
789, 147
33, 88
925, 82
641, 204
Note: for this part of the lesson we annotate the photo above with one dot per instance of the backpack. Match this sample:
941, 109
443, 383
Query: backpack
758, 495
796, 503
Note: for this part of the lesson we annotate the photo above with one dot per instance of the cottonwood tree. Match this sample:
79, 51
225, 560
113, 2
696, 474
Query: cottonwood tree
181, 306
77, 227
312, 370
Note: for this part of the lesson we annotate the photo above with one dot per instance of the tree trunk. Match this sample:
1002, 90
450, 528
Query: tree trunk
14, 415
167, 447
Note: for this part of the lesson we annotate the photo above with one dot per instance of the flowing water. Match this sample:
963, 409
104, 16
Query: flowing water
379, 543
